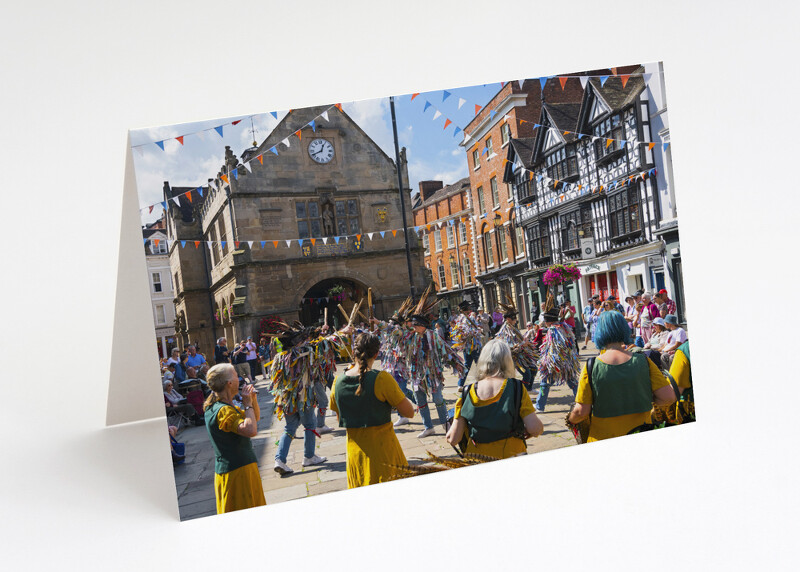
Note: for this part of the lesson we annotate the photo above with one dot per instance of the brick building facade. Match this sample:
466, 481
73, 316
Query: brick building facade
442, 215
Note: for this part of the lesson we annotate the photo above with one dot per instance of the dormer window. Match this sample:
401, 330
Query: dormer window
563, 164
610, 133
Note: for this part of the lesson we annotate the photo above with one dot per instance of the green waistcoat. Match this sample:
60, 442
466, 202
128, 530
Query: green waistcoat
622, 389
492, 422
231, 450
684, 347
363, 410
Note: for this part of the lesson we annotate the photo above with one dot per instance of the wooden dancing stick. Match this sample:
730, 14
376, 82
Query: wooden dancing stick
325, 319
369, 304
353, 313
344, 314
363, 316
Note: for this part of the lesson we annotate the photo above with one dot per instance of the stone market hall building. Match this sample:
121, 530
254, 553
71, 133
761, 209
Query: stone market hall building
332, 183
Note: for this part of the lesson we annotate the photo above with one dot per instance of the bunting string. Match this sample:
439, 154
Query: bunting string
286, 142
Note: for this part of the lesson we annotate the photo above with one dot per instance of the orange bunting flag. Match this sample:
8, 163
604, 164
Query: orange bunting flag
566, 133
614, 71
313, 240
477, 108
562, 197
530, 178
299, 134
427, 227
394, 233
189, 196
624, 79
601, 189
643, 176
236, 123
339, 106
358, 237
156, 241
261, 159
563, 82
580, 187
275, 243
413, 95
504, 162
609, 142
522, 121
236, 244
446, 123
650, 146
224, 178
180, 139
197, 244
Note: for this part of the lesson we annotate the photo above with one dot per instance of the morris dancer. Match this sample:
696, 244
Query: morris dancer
426, 355
392, 362
305, 361
524, 352
466, 336
559, 361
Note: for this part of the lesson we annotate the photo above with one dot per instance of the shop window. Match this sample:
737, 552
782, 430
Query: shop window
462, 233
467, 269
495, 193
505, 133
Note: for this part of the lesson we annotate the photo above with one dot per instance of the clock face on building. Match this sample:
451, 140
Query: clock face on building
320, 150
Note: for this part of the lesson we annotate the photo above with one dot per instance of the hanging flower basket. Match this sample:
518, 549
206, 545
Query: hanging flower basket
561, 274
337, 293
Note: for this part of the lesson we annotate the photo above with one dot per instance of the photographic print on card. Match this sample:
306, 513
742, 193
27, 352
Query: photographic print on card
412, 284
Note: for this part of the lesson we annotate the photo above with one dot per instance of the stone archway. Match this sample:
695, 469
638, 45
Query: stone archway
318, 298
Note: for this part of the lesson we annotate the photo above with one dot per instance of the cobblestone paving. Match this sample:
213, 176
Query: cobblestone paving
194, 479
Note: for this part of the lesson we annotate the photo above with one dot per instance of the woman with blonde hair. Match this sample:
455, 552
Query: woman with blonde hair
237, 482
363, 398
488, 410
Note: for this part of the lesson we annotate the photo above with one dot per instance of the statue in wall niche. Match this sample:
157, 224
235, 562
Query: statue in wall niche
328, 226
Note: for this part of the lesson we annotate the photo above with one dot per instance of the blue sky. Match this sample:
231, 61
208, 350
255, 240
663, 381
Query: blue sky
433, 152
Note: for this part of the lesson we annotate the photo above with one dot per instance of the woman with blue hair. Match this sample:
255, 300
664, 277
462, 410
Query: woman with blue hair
623, 385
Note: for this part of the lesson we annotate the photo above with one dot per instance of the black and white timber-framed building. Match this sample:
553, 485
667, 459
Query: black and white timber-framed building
589, 191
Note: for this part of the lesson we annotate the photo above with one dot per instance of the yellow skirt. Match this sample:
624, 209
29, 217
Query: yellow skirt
238, 489
371, 452
502, 449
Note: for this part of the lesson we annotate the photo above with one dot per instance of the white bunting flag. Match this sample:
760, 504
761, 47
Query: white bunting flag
247, 166
646, 77
369, 234
466, 138
584, 80
324, 115
250, 244
506, 117
520, 82
437, 115
177, 202
208, 242
325, 240
461, 101
288, 243
440, 224
286, 142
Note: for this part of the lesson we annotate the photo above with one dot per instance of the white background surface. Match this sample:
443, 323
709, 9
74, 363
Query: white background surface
722, 492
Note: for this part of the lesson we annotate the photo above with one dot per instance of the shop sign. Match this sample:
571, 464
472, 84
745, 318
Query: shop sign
594, 268
654, 261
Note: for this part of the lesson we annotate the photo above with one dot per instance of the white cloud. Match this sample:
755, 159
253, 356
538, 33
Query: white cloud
370, 115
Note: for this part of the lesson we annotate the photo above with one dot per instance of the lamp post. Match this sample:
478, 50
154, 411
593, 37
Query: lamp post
498, 223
